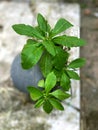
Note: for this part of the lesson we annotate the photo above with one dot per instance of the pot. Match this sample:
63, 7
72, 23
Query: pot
23, 78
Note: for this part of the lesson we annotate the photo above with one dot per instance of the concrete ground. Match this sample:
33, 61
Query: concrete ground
89, 81
89, 73
16, 113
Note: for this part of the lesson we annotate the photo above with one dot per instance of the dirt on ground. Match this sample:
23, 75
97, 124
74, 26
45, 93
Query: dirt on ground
89, 73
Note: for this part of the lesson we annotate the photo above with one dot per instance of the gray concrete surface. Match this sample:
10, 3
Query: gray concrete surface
16, 112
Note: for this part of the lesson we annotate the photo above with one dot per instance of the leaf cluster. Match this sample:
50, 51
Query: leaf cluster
45, 46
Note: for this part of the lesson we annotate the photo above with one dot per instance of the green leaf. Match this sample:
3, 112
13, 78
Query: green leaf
69, 41
31, 54
65, 82
40, 31
47, 107
77, 63
72, 74
61, 26
41, 83
42, 22
46, 63
60, 58
35, 93
48, 28
49, 46
39, 103
50, 82
27, 30
56, 104
60, 94
58, 74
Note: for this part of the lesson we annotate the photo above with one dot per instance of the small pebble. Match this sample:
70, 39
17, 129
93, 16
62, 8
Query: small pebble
87, 12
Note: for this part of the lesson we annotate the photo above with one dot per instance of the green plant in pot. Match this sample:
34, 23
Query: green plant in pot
51, 51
